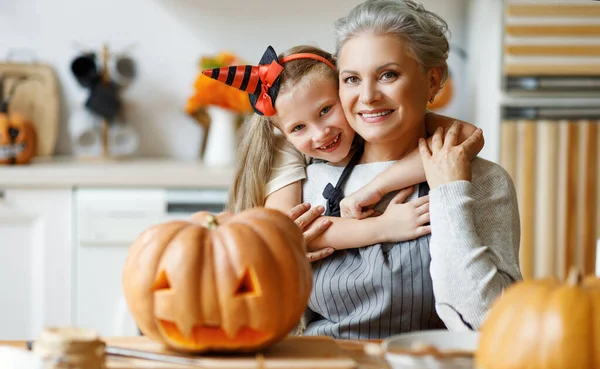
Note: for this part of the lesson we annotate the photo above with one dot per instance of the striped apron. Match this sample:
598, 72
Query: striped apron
375, 291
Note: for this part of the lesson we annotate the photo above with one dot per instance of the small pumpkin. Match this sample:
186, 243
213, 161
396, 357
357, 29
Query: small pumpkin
224, 283
541, 324
18, 140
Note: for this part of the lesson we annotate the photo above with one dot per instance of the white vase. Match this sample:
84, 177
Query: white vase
220, 148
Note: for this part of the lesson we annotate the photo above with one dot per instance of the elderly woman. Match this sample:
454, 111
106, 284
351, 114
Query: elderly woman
391, 61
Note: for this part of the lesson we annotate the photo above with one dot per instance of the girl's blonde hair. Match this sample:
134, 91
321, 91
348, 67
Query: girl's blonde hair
256, 151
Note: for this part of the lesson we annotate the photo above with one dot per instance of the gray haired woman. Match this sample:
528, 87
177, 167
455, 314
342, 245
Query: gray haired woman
391, 61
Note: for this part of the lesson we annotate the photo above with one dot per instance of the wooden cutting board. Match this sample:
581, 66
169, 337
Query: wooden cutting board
292, 352
38, 99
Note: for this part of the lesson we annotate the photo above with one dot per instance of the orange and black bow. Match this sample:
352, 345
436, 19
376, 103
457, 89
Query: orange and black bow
262, 81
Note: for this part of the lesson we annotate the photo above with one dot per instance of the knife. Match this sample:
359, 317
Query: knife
139, 354
146, 355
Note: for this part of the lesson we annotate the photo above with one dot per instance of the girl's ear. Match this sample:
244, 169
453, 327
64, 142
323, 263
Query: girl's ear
435, 80
275, 126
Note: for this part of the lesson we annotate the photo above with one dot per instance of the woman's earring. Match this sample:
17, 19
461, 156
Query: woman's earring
431, 100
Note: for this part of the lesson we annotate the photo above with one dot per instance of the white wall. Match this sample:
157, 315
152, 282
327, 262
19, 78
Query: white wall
483, 85
169, 36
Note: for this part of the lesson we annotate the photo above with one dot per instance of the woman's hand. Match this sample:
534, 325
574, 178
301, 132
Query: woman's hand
443, 160
305, 218
405, 221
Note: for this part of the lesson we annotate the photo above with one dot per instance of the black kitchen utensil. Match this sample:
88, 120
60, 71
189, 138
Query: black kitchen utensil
85, 69
104, 100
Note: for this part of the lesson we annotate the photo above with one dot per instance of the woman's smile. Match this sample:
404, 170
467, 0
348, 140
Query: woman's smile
375, 116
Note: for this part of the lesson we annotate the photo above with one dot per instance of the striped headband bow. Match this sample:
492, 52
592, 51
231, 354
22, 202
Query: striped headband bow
262, 81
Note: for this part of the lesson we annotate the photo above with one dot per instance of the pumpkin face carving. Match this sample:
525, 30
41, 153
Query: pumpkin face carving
543, 324
226, 283
18, 141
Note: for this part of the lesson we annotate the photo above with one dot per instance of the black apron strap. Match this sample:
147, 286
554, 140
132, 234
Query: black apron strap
423, 189
334, 195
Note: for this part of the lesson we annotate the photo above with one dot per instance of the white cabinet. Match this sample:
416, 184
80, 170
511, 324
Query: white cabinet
106, 222
35, 260
62, 252
65, 229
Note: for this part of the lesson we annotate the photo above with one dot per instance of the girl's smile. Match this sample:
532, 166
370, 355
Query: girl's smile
312, 119
332, 145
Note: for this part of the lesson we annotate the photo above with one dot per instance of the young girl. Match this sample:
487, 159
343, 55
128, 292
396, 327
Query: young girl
298, 119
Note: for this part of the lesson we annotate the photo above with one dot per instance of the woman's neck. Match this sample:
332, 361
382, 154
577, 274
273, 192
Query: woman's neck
394, 149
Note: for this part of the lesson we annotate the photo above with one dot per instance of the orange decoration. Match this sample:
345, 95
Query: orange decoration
18, 140
208, 91
444, 96
224, 283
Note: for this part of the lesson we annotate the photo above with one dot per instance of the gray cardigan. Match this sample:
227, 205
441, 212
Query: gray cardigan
475, 235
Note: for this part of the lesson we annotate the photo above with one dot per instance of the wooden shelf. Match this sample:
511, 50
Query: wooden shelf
551, 70
554, 10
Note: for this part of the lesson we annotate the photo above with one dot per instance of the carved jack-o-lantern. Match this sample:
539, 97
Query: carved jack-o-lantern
219, 283
18, 140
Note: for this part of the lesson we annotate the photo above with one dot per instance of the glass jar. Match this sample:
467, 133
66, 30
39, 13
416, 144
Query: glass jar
70, 348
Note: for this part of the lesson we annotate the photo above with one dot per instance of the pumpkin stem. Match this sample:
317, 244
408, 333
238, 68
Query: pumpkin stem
211, 222
575, 277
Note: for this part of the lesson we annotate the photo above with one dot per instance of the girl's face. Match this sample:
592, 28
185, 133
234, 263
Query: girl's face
312, 119
383, 89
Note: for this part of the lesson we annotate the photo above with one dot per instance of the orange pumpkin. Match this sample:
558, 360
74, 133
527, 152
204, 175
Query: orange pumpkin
18, 140
540, 324
444, 95
225, 283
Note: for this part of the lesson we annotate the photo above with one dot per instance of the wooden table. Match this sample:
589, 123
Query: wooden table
355, 349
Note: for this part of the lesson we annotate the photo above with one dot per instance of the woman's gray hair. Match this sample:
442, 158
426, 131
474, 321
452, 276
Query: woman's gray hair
424, 31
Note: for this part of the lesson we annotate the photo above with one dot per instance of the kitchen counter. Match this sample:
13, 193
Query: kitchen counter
61, 172
355, 350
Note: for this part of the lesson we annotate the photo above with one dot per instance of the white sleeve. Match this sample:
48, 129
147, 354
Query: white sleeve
289, 165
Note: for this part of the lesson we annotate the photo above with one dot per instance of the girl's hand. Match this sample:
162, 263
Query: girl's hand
443, 160
355, 205
305, 218
319, 254
405, 221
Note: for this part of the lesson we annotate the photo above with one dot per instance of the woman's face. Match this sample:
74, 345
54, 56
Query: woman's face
312, 119
383, 89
